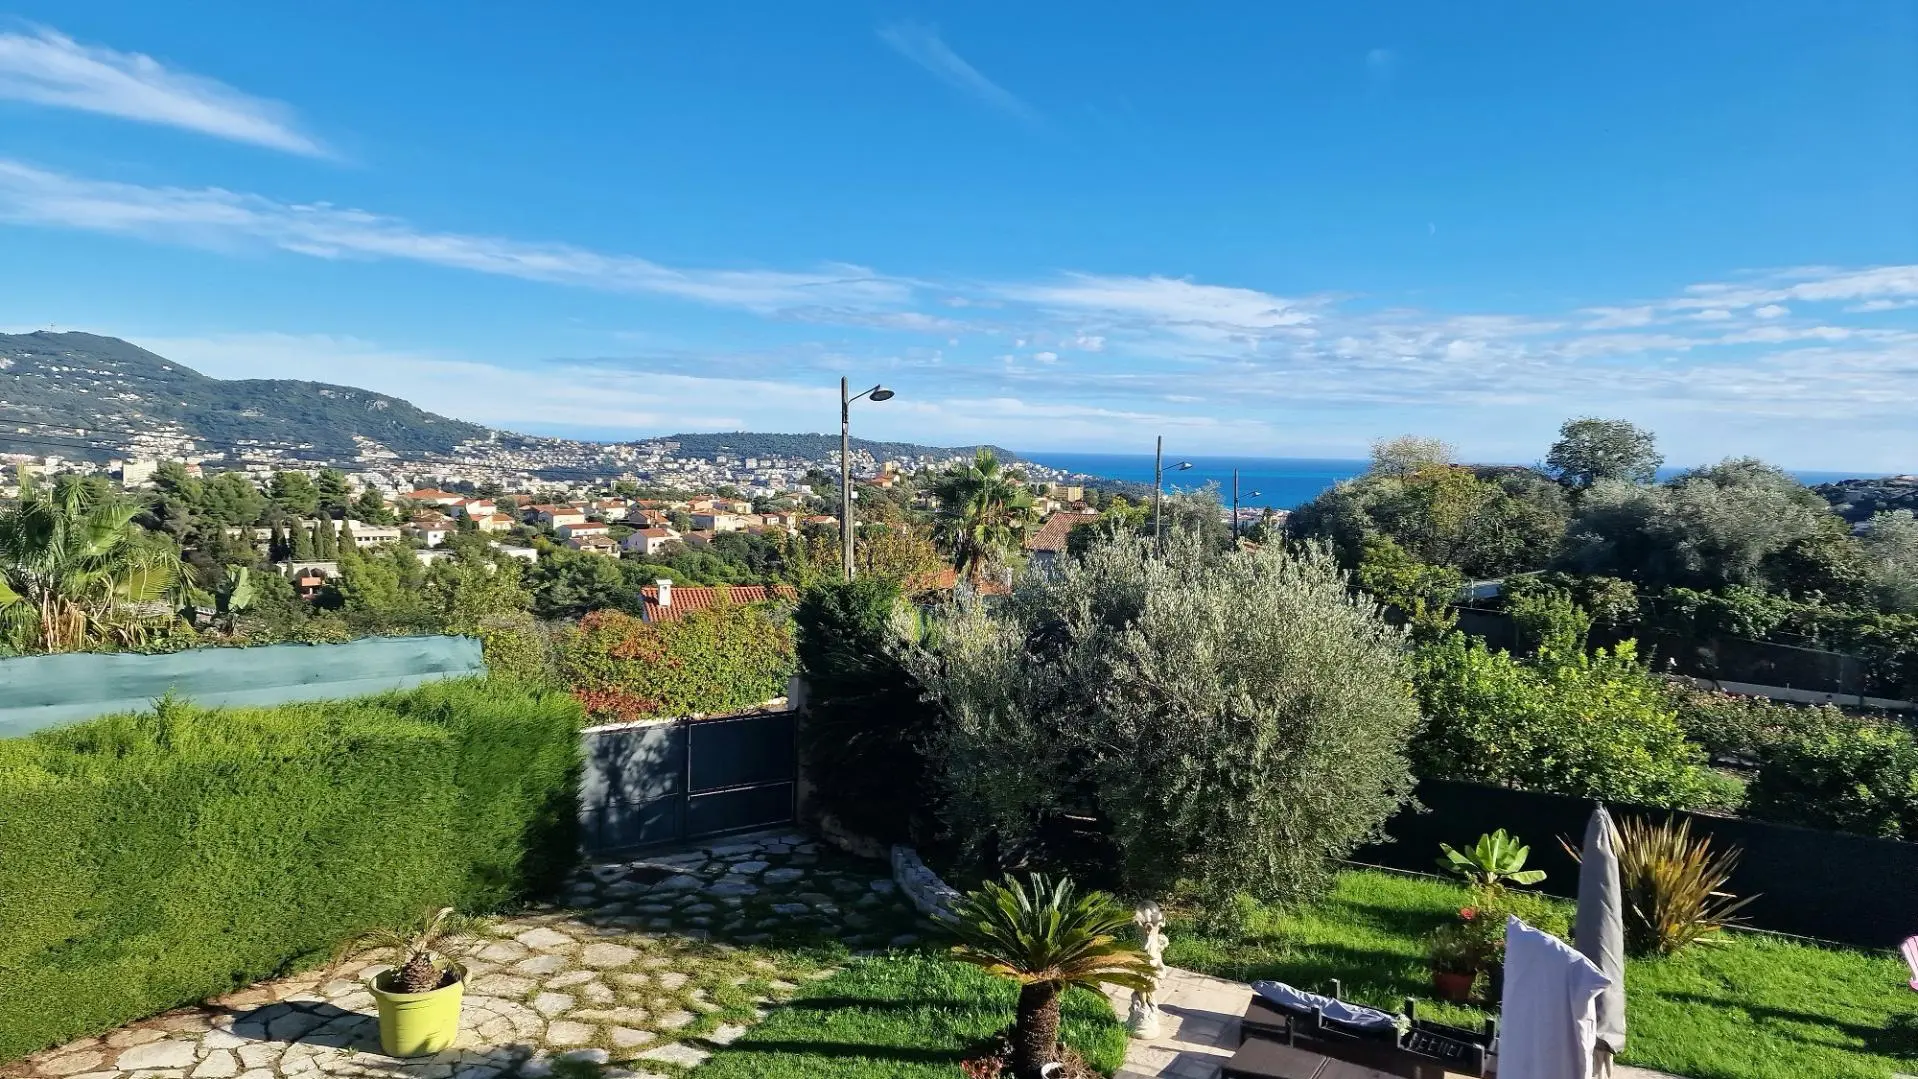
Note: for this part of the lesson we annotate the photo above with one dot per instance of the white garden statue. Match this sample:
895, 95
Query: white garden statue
1142, 1019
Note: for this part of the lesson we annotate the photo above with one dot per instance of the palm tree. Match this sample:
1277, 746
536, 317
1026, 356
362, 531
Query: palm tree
1044, 936
423, 951
985, 513
76, 569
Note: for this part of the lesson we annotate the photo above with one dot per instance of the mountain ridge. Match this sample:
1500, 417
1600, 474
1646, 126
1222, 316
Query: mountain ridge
128, 401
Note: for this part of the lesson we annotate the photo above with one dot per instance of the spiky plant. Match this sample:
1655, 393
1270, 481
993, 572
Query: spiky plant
1045, 936
423, 950
1674, 885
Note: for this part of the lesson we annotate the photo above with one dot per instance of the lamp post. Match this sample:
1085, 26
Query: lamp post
877, 393
1158, 490
1235, 505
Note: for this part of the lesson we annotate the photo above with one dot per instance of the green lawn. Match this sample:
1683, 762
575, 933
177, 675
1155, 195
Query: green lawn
1755, 1007
899, 1016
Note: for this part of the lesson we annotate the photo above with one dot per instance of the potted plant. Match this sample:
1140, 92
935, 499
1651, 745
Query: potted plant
1456, 957
419, 997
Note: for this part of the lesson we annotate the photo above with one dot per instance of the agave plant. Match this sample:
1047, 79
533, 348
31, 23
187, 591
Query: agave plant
1045, 936
1496, 858
423, 950
1674, 885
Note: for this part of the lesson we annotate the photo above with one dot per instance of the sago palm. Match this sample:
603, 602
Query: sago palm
423, 952
985, 512
1045, 936
75, 568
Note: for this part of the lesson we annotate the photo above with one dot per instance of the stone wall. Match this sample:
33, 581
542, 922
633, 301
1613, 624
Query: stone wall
920, 885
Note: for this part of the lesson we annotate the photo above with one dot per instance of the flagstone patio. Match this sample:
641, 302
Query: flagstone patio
642, 967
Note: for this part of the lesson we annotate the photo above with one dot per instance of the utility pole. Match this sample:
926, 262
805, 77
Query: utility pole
1158, 484
1235, 507
845, 479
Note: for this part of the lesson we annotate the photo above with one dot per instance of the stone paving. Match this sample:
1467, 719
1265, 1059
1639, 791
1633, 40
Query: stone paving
639, 970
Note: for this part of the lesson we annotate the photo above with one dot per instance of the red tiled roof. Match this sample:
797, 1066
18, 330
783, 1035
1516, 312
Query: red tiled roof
1051, 536
701, 598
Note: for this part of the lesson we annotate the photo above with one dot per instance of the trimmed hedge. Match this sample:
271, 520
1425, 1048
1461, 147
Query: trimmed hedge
149, 861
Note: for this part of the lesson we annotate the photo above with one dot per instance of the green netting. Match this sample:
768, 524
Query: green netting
44, 691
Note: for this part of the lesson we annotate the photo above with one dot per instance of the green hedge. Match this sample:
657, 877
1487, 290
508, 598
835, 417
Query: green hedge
714, 660
148, 861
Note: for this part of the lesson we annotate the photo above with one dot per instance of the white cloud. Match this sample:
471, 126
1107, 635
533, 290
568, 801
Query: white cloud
215, 217
1169, 301
49, 68
923, 46
1046, 357
1772, 310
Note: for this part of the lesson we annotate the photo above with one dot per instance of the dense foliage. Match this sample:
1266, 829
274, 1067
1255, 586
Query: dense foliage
867, 733
1852, 777
1596, 725
728, 657
154, 860
1237, 720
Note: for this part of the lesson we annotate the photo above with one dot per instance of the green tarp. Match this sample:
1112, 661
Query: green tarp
45, 691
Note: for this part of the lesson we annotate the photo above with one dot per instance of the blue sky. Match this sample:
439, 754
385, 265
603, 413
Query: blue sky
1255, 228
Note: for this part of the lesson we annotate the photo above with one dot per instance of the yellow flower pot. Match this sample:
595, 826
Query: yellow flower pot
415, 1024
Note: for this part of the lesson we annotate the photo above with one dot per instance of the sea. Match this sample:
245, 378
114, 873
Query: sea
1281, 483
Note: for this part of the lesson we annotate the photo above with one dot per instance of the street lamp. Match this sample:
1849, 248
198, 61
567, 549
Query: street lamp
1235, 504
1158, 488
877, 393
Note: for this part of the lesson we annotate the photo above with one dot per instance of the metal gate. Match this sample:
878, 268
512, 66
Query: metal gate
671, 781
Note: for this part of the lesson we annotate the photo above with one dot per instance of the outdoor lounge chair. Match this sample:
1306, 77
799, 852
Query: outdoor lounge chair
1404, 1046
1910, 951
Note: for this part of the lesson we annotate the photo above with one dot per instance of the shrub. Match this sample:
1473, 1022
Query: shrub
154, 860
1236, 719
1595, 725
1674, 886
1850, 777
866, 730
1747, 729
726, 657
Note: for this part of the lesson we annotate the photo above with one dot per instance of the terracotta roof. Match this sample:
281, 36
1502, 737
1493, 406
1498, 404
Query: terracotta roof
655, 533
701, 598
1051, 536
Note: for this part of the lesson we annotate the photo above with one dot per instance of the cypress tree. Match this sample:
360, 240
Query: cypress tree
302, 546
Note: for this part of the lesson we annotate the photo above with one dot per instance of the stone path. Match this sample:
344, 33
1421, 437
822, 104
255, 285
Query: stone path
644, 967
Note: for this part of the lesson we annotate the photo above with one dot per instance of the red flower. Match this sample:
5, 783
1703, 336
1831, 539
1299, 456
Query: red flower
1468, 913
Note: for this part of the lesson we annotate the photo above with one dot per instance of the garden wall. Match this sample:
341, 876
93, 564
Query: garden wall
44, 691
150, 861
1845, 888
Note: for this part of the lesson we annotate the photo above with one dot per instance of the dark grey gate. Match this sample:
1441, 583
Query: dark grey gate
668, 782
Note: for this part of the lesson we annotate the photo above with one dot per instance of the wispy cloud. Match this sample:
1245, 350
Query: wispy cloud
923, 46
219, 218
48, 68
1762, 354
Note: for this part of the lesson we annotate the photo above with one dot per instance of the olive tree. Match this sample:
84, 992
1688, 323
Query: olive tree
1236, 719
1590, 449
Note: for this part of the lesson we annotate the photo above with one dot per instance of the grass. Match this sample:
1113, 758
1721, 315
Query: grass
1753, 1007
904, 1015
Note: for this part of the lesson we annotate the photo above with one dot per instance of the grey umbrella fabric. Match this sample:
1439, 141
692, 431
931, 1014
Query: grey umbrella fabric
1600, 928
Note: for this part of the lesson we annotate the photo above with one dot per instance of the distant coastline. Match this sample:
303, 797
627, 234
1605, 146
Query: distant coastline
1282, 483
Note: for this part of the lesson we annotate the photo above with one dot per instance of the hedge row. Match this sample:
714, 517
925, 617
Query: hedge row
148, 861
709, 661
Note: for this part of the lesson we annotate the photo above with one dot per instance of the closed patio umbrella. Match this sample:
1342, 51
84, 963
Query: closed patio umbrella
1600, 932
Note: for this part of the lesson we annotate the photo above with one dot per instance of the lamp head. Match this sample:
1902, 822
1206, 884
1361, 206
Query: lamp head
879, 393
1183, 465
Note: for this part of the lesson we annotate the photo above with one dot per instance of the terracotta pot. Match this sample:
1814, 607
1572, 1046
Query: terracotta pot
1455, 987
